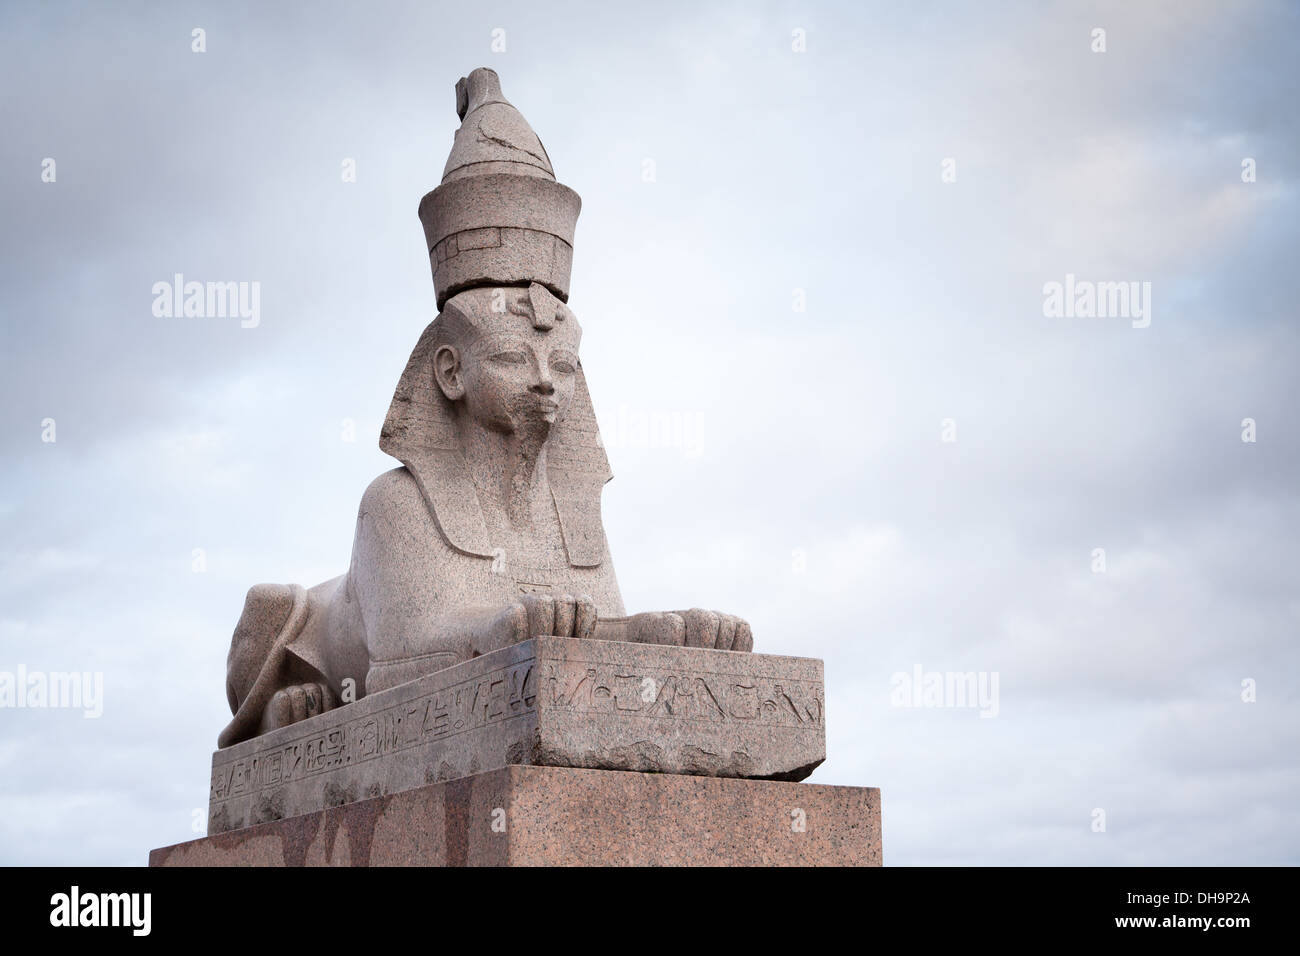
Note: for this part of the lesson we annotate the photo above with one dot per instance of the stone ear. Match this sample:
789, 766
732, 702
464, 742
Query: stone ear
447, 372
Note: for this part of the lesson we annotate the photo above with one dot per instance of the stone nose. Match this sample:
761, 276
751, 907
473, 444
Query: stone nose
544, 385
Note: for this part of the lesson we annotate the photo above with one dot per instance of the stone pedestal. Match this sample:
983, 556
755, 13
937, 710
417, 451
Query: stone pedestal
548, 701
554, 751
559, 816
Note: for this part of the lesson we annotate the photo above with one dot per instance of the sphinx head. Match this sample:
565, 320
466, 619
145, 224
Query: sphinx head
506, 358
499, 357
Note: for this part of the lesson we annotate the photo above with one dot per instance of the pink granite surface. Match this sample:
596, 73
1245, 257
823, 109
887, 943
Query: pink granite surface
559, 816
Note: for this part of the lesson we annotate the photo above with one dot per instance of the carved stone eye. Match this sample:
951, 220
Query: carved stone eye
510, 358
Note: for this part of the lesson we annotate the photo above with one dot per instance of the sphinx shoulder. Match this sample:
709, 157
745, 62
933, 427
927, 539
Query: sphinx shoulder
394, 498
398, 548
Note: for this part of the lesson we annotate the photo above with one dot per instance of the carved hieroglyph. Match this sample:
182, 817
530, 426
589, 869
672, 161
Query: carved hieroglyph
548, 701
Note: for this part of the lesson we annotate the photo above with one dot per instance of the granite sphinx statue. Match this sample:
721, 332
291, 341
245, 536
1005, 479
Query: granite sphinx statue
489, 532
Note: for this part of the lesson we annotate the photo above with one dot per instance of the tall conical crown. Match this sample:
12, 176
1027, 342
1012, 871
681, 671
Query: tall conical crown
499, 217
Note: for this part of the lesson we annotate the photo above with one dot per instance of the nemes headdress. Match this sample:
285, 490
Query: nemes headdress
499, 220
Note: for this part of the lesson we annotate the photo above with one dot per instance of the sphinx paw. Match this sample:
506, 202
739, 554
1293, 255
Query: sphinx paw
657, 627
723, 632
564, 615
297, 702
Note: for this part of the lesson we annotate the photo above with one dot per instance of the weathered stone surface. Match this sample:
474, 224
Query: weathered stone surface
546, 701
551, 816
491, 530
499, 217
500, 229
622, 706
479, 631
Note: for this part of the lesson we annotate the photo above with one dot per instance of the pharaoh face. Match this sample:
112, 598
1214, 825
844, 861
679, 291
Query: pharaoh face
510, 371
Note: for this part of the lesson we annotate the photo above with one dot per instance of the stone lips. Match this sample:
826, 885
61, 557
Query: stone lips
559, 816
547, 701
500, 229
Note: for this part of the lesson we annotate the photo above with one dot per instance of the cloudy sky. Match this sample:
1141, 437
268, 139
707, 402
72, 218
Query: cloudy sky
810, 488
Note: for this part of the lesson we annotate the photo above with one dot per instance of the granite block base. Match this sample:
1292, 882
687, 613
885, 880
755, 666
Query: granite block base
563, 816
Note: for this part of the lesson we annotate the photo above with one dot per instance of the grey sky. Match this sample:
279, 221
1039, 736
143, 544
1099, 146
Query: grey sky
819, 431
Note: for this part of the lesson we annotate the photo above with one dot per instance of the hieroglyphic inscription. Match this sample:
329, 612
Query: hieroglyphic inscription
598, 687
501, 694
